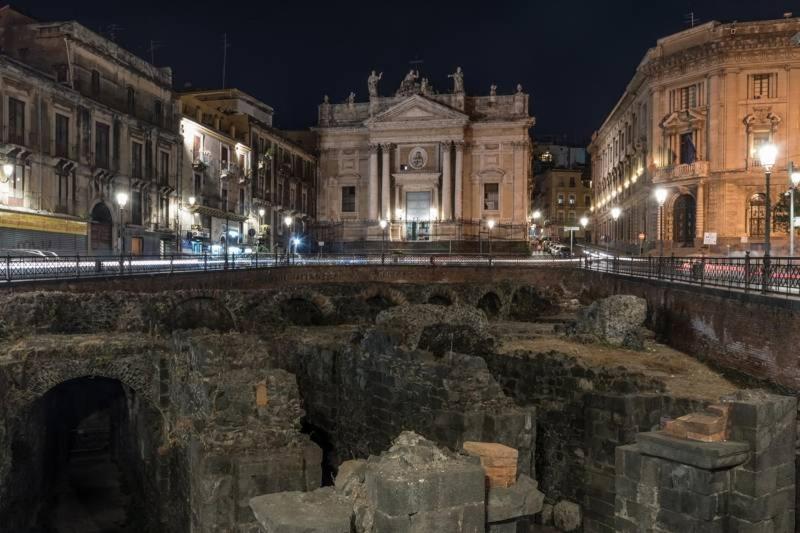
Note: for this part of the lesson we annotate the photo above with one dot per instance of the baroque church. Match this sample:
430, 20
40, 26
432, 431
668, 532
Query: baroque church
425, 166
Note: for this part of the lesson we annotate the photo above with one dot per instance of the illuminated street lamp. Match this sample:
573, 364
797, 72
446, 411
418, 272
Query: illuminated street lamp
122, 201
383, 224
192, 200
584, 222
615, 213
287, 221
767, 155
661, 198
8, 171
794, 179
490, 225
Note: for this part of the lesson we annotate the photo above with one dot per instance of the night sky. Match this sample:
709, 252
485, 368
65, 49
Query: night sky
574, 57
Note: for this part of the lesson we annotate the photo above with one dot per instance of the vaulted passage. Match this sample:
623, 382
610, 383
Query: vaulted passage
80, 461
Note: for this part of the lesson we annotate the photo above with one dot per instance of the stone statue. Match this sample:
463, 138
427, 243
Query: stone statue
409, 84
372, 83
458, 81
351, 99
424, 87
493, 90
519, 87
325, 99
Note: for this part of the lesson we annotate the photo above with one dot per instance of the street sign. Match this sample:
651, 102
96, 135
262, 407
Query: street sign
571, 228
710, 237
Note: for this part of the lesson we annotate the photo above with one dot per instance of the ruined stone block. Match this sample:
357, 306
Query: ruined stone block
521, 499
567, 516
499, 462
319, 511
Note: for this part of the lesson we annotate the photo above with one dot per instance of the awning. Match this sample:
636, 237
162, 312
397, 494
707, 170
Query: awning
217, 213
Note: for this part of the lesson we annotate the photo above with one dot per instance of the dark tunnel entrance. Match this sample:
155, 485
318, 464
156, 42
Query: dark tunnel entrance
82, 461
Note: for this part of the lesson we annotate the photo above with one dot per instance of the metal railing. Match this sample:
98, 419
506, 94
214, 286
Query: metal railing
13, 269
770, 275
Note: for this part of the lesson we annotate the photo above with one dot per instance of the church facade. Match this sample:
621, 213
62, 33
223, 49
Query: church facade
425, 166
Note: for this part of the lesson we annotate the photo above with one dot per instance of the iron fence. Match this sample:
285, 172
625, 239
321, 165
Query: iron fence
76, 267
773, 275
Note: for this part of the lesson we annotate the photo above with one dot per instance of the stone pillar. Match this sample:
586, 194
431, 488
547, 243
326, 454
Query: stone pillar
447, 178
699, 216
385, 196
459, 187
373, 182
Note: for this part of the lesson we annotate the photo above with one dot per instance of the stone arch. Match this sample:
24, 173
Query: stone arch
442, 296
381, 298
202, 312
305, 308
528, 303
136, 372
491, 304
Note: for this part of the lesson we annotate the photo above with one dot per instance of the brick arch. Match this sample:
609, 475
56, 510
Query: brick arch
138, 372
491, 303
293, 304
442, 293
201, 311
394, 296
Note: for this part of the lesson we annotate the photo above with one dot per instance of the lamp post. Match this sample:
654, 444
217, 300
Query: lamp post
661, 198
615, 213
584, 222
122, 201
287, 220
261, 213
382, 223
536, 215
767, 155
794, 178
490, 225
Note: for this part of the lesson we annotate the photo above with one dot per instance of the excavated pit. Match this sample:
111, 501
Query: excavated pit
272, 391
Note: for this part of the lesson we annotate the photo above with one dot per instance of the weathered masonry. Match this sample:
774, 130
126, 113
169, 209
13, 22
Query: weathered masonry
209, 396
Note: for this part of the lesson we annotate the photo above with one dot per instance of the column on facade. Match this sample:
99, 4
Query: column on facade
459, 187
373, 182
385, 187
699, 217
447, 178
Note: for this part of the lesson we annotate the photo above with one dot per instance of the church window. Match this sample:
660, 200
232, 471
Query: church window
491, 193
349, 199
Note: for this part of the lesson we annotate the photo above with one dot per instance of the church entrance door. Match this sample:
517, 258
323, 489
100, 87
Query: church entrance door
418, 214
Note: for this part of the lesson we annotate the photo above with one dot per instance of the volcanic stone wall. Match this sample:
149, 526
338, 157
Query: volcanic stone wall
583, 414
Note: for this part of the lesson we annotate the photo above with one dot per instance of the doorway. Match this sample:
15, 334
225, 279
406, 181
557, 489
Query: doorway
684, 213
418, 214
101, 229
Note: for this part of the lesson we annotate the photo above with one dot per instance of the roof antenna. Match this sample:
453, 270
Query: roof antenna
225, 47
690, 19
154, 45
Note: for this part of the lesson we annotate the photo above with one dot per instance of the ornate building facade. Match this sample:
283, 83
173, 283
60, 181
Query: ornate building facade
245, 177
83, 121
691, 120
434, 166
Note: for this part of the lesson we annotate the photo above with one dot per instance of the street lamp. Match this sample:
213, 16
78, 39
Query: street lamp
490, 225
615, 213
382, 223
122, 201
661, 198
192, 200
287, 221
8, 171
767, 155
584, 223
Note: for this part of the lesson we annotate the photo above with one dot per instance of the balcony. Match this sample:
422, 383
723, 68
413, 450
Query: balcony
698, 169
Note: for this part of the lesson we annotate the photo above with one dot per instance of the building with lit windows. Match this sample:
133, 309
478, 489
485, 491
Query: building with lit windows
435, 166
563, 196
84, 122
230, 133
691, 120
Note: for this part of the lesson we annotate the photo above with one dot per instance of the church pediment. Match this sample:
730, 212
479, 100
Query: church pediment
416, 109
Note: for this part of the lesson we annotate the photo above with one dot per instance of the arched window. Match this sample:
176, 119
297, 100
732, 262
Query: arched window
756, 210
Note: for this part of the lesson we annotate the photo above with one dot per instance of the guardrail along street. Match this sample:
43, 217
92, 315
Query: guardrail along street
775, 275
76, 267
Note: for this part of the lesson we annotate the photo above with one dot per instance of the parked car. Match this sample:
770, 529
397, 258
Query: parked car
26, 252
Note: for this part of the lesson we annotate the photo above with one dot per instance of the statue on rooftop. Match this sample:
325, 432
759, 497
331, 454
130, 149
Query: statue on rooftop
372, 83
458, 81
351, 99
493, 90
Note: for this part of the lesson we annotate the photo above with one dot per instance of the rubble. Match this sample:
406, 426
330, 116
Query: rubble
567, 516
409, 322
321, 511
616, 320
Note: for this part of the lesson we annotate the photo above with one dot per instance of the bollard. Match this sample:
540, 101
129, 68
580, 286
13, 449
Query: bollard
747, 271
